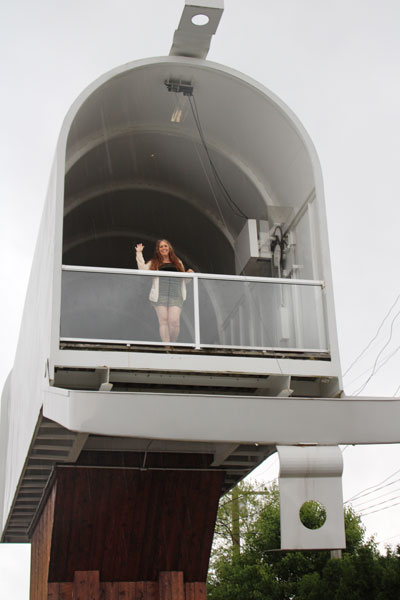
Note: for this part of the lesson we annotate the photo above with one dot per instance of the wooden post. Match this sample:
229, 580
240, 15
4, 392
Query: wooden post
235, 513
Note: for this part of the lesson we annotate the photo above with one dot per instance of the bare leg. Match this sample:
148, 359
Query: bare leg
174, 315
162, 314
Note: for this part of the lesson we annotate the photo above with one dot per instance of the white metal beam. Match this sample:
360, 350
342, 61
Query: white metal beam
252, 419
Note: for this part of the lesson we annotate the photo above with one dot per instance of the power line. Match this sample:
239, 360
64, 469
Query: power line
361, 493
382, 487
373, 491
369, 506
373, 339
377, 358
388, 538
383, 362
251, 493
269, 467
380, 496
387, 358
380, 509
362, 513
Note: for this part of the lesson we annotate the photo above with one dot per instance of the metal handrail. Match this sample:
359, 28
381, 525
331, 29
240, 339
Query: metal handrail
223, 277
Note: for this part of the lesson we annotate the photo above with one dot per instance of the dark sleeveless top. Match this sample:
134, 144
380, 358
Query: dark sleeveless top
168, 267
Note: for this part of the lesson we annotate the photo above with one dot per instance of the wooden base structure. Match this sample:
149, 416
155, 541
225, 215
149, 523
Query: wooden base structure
111, 533
87, 586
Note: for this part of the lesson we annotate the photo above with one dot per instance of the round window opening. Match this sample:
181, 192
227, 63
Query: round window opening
200, 20
312, 514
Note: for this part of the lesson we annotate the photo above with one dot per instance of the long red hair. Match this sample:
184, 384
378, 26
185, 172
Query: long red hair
157, 259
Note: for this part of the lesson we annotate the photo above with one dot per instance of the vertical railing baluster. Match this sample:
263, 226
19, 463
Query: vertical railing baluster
196, 312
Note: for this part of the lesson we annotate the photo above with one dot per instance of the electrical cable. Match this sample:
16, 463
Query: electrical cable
231, 203
363, 510
227, 197
212, 190
373, 500
245, 494
377, 366
373, 491
379, 509
218, 179
269, 467
388, 538
373, 339
379, 354
385, 359
361, 493
213, 168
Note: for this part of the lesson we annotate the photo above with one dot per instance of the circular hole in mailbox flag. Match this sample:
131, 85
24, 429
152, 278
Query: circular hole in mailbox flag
312, 514
200, 20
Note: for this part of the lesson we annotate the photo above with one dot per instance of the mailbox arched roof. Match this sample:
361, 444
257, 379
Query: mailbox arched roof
132, 171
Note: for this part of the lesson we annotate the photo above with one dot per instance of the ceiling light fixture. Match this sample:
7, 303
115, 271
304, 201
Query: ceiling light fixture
179, 87
185, 88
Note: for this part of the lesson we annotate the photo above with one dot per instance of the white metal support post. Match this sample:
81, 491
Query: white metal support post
196, 312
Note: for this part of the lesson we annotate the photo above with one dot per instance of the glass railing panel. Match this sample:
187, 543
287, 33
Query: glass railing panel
252, 314
218, 311
115, 306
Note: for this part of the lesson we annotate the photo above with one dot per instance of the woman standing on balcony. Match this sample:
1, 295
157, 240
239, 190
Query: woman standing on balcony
167, 294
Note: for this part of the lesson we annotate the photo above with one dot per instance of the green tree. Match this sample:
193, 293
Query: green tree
258, 570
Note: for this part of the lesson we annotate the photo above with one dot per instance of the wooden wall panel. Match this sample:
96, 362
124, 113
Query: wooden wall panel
53, 591
125, 591
86, 585
114, 591
125, 534
60, 591
195, 591
107, 590
129, 590
65, 591
161, 460
151, 590
170, 587
41, 548
131, 524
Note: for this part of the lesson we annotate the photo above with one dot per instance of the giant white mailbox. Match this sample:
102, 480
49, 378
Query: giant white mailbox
182, 148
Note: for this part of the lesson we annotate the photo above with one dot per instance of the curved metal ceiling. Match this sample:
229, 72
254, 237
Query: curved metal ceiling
132, 170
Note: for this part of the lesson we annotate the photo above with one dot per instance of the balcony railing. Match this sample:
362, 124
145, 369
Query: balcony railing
112, 306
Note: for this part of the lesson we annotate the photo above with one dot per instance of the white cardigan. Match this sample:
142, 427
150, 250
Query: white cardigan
153, 296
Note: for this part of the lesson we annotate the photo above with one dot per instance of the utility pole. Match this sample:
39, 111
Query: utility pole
235, 509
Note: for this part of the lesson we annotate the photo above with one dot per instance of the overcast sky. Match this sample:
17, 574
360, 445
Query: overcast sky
335, 63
